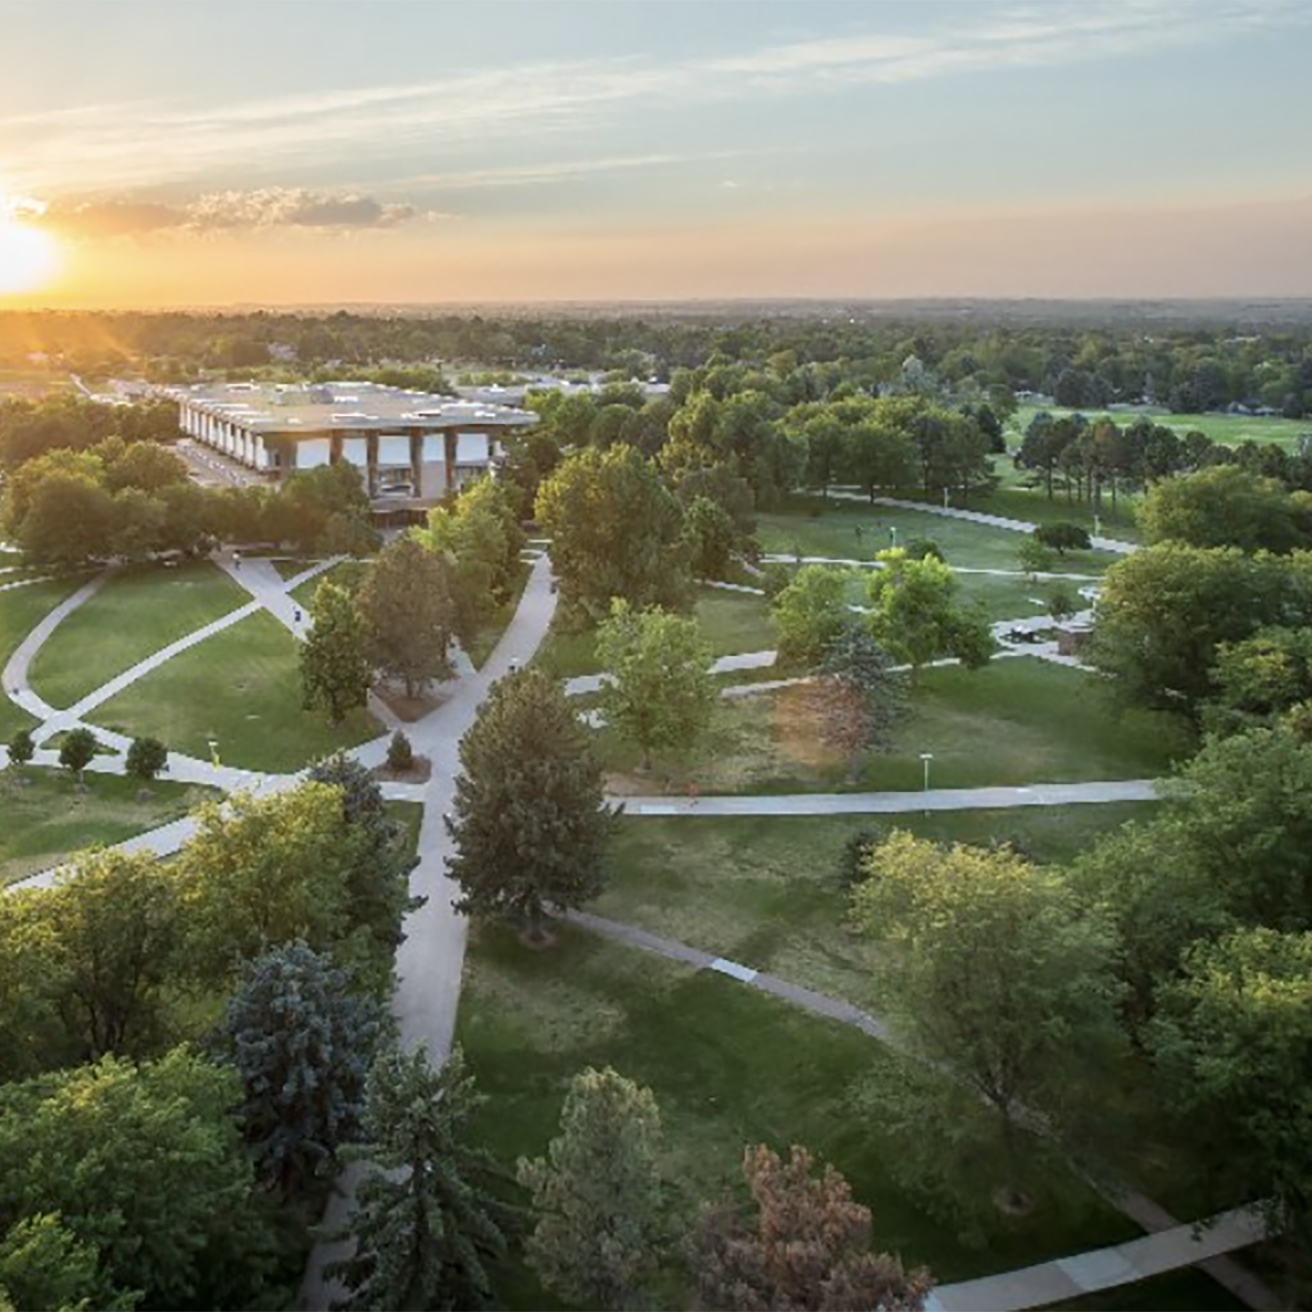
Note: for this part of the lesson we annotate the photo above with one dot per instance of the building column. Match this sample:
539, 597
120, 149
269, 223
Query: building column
371, 464
450, 444
417, 462
261, 453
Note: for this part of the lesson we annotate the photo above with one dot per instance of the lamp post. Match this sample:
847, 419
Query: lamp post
892, 532
214, 750
926, 758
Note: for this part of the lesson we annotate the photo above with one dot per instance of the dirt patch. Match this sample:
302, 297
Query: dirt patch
408, 709
801, 720
419, 773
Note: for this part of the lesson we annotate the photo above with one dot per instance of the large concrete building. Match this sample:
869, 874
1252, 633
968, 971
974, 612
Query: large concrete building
408, 445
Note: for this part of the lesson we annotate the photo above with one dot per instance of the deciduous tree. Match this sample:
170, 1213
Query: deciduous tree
335, 673
406, 606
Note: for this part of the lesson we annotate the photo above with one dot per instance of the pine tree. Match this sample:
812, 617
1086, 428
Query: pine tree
334, 671
302, 1043
597, 1194
530, 823
426, 1221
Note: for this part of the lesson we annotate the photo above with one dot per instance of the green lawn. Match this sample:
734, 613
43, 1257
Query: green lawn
1018, 721
1014, 597
46, 815
21, 610
1232, 430
1188, 1290
821, 528
731, 622
243, 688
764, 890
140, 610
289, 567
729, 1067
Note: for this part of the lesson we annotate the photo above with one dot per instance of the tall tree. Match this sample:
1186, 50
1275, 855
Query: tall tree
1037, 966
597, 1193
660, 692
915, 614
407, 611
1224, 506
529, 821
804, 1244
145, 1164
1233, 1043
44, 1265
427, 1220
335, 672
115, 920
615, 530
303, 1044
859, 694
810, 613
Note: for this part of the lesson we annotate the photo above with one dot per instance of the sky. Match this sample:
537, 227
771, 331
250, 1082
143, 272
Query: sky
193, 152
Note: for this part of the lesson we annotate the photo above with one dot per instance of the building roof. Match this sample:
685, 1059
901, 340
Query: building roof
346, 405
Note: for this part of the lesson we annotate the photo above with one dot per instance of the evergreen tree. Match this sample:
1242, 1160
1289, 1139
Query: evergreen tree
529, 822
302, 1043
334, 670
426, 1221
406, 607
597, 1194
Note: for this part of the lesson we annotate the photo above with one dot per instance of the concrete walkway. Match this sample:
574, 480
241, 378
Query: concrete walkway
896, 803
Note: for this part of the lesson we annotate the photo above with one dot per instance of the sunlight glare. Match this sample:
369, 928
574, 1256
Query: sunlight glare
27, 256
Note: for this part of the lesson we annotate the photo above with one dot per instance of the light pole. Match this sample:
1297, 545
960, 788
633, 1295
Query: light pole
214, 750
926, 758
892, 532
945, 498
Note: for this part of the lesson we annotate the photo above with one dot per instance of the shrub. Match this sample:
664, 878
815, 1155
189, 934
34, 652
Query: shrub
21, 747
146, 758
400, 754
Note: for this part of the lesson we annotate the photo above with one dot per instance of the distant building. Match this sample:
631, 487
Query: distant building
409, 446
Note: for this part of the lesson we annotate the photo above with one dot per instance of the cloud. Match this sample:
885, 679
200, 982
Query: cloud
152, 143
267, 207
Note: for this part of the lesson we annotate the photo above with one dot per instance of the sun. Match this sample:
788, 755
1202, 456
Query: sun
27, 256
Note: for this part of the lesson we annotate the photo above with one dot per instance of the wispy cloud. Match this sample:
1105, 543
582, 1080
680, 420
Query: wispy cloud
113, 148
266, 207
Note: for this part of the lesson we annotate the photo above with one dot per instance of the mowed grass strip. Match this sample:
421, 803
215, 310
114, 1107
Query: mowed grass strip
140, 610
47, 816
765, 890
1018, 721
241, 688
729, 1067
731, 622
21, 610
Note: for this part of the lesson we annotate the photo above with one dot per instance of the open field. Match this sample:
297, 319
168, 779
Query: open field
1232, 430
728, 1068
819, 529
140, 610
731, 622
21, 610
242, 688
1018, 721
765, 891
47, 816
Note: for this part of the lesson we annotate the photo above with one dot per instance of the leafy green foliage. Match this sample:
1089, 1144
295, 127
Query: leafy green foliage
335, 674
1258, 681
811, 613
406, 607
77, 750
146, 758
400, 754
43, 1265
1224, 506
427, 1221
660, 693
302, 1043
144, 1165
529, 823
597, 1194
616, 531
21, 747
711, 538
1062, 537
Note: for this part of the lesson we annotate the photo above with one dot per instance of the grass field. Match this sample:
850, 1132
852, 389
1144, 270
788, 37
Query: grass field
21, 610
141, 609
833, 532
242, 688
1014, 597
1016, 722
47, 816
1232, 430
765, 891
346, 574
728, 1068
731, 622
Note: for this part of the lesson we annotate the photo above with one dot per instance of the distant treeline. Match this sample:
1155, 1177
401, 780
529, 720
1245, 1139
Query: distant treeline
1260, 358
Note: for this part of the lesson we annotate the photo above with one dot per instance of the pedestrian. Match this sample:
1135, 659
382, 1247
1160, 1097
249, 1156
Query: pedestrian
296, 614
692, 795
236, 560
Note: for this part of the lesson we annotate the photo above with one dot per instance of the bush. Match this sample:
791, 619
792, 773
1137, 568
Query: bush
400, 754
21, 747
775, 577
923, 548
146, 758
77, 749
851, 861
